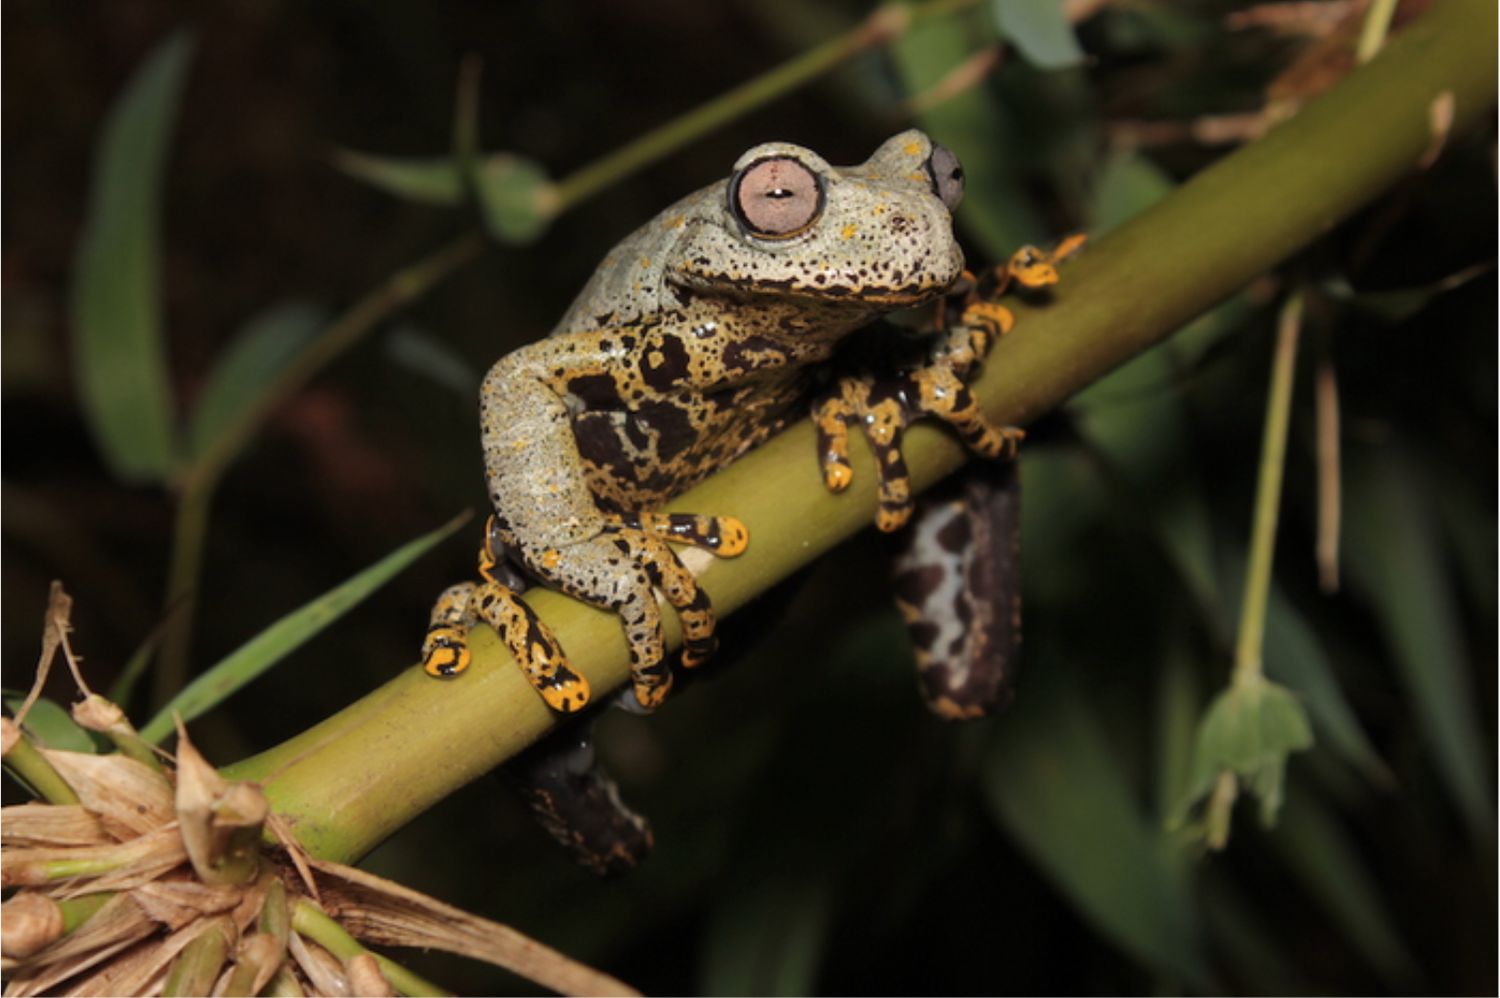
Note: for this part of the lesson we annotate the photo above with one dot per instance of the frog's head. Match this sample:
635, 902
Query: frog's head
878, 235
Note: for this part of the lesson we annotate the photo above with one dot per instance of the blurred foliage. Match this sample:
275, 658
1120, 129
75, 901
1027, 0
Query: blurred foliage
816, 830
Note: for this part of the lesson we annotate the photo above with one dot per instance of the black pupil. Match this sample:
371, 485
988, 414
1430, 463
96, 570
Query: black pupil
781, 192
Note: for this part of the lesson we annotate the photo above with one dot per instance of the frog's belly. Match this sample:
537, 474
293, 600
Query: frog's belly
637, 459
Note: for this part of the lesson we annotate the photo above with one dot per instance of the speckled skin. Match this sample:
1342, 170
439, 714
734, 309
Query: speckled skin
691, 344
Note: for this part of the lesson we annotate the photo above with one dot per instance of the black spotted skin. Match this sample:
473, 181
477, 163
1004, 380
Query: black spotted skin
695, 339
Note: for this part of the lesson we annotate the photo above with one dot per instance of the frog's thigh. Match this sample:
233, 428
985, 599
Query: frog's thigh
533, 646
957, 584
605, 572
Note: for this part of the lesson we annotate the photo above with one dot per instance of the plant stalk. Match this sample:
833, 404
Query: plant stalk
196, 489
884, 24
1248, 665
350, 781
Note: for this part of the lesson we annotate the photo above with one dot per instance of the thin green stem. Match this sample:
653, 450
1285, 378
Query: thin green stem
26, 761
1377, 25
882, 26
1248, 664
196, 490
308, 921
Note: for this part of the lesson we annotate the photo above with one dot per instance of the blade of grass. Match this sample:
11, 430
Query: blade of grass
50, 724
120, 353
202, 479
433, 180
1326, 859
1395, 562
1056, 785
279, 640
241, 373
1295, 658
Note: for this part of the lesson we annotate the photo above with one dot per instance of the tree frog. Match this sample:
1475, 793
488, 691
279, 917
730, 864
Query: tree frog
699, 336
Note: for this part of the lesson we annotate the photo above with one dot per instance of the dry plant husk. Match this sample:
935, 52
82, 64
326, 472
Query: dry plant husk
160, 880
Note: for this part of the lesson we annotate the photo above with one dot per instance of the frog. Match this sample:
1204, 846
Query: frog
699, 336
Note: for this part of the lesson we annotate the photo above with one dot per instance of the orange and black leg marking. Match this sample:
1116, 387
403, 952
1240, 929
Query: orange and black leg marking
1033, 268
881, 412
445, 651
694, 610
724, 536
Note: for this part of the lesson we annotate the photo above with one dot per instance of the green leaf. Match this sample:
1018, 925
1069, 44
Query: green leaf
1249, 730
979, 129
248, 365
279, 640
1394, 556
1327, 860
1245, 939
1057, 786
120, 354
515, 196
1176, 714
427, 181
1293, 656
420, 351
1039, 29
50, 724
767, 939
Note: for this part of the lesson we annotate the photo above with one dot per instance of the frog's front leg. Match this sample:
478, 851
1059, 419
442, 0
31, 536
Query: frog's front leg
547, 517
884, 407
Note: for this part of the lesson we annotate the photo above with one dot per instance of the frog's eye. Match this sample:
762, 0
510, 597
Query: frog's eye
776, 198
947, 175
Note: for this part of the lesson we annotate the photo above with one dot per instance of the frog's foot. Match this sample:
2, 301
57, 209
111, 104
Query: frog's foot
578, 804
621, 568
880, 411
724, 536
445, 651
884, 408
1033, 268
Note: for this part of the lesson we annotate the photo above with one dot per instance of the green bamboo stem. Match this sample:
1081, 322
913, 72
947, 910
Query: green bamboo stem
196, 490
1247, 653
355, 778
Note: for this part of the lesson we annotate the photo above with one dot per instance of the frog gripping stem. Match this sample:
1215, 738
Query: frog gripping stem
445, 651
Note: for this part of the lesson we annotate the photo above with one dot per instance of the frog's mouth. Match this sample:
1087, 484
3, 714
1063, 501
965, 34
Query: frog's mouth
826, 288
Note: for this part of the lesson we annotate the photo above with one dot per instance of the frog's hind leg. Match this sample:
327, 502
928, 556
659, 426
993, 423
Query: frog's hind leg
682, 590
445, 651
618, 570
958, 587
